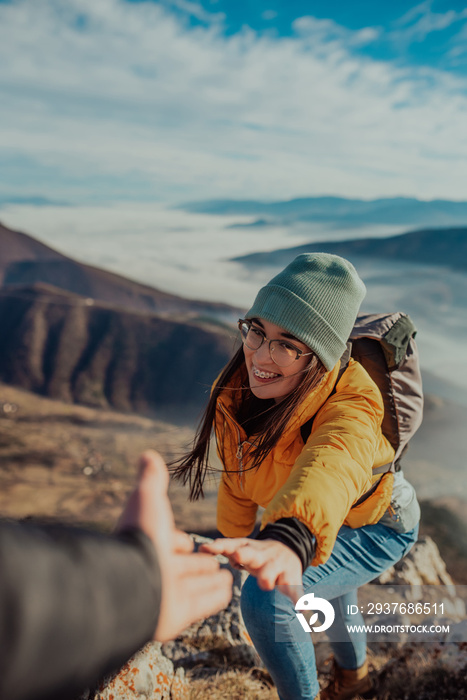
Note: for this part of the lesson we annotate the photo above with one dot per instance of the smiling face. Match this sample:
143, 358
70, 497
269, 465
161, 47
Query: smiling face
268, 380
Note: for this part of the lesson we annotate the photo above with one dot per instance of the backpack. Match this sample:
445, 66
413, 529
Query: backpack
384, 344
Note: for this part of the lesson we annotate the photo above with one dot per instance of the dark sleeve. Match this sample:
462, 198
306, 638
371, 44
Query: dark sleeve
74, 605
293, 533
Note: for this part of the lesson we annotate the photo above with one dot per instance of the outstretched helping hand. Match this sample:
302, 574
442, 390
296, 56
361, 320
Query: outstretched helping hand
270, 561
193, 585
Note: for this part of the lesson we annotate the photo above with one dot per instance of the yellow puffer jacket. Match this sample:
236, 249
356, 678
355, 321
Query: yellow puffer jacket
317, 482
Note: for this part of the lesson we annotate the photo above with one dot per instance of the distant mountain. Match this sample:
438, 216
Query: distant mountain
341, 212
26, 261
33, 200
68, 347
258, 223
440, 247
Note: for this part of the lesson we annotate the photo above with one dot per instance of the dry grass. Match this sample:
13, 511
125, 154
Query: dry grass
410, 673
228, 684
414, 673
78, 464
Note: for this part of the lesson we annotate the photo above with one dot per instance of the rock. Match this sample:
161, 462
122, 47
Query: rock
422, 565
458, 634
148, 674
422, 576
452, 656
222, 641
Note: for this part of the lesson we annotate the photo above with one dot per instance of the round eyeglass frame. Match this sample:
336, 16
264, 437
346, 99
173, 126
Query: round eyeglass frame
242, 322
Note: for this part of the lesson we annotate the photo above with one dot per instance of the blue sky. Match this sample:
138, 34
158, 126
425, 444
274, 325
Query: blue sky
426, 33
116, 100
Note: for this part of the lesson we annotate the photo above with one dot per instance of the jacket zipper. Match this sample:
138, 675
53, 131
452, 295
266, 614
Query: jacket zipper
240, 443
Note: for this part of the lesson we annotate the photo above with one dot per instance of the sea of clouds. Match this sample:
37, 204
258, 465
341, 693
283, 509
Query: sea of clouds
190, 255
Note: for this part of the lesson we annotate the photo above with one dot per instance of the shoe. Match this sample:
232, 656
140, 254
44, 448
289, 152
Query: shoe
348, 684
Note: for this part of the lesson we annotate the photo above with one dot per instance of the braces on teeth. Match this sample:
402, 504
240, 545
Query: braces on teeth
265, 375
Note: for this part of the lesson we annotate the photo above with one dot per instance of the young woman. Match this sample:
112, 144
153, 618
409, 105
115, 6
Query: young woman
318, 530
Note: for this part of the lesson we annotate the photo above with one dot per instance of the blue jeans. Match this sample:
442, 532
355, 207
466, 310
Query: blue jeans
358, 556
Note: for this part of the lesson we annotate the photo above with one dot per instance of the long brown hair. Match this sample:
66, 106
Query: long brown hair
270, 421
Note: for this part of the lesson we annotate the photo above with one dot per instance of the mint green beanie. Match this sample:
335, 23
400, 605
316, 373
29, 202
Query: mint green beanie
316, 298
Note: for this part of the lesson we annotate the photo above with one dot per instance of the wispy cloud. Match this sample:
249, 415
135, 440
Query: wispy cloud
194, 9
458, 50
110, 99
329, 33
421, 21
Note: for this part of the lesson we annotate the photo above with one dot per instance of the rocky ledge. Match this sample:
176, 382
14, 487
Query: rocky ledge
160, 671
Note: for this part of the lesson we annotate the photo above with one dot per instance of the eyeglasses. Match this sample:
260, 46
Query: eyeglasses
282, 352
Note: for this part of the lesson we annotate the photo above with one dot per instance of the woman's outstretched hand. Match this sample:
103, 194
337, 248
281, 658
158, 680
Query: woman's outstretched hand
271, 562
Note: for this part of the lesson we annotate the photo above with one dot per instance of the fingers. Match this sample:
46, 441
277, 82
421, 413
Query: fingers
148, 507
241, 552
244, 553
210, 597
152, 469
185, 565
271, 562
182, 542
278, 572
202, 585
250, 556
225, 546
268, 575
193, 598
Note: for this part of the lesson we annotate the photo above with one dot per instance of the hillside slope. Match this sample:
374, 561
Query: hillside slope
68, 347
26, 261
16, 247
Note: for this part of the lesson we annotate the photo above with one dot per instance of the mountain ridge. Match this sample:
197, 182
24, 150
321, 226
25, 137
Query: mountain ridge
440, 247
24, 260
341, 211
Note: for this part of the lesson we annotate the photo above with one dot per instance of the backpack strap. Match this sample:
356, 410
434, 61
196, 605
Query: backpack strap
369, 492
305, 429
383, 469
